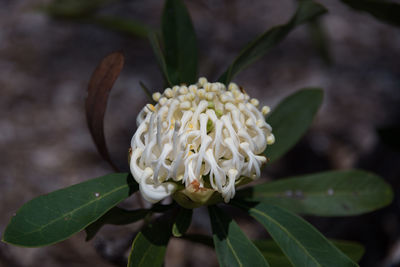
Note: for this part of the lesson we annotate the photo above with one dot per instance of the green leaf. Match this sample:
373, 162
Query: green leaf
150, 244
147, 92
231, 244
182, 222
333, 193
54, 217
125, 26
180, 43
353, 250
320, 40
85, 12
119, 216
299, 240
306, 11
72, 9
291, 119
385, 11
116, 216
275, 256
155, 44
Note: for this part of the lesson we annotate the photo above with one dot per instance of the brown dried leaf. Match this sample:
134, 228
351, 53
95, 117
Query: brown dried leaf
100, 85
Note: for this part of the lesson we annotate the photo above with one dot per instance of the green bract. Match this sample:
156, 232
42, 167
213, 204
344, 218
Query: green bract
54, 217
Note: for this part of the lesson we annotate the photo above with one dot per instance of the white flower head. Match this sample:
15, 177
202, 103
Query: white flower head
202, 138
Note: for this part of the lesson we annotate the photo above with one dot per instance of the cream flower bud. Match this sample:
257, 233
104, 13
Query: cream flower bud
202, 81
162, 101
265, 110
156, 96
202, 138
254, 102
169, 93
183, 90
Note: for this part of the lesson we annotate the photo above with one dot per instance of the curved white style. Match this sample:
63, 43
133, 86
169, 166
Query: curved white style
202, 135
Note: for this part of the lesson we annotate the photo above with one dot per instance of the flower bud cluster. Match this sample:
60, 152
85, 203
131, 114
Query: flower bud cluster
203, 135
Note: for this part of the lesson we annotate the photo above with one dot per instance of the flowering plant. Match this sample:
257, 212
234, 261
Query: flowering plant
197, 136
198, 142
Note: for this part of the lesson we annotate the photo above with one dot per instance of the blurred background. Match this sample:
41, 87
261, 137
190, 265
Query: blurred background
47, 57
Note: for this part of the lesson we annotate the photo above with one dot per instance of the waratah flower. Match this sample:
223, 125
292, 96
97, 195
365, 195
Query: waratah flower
197, 140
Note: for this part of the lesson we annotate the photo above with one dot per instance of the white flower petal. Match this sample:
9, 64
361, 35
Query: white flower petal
195, 131
154, 193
